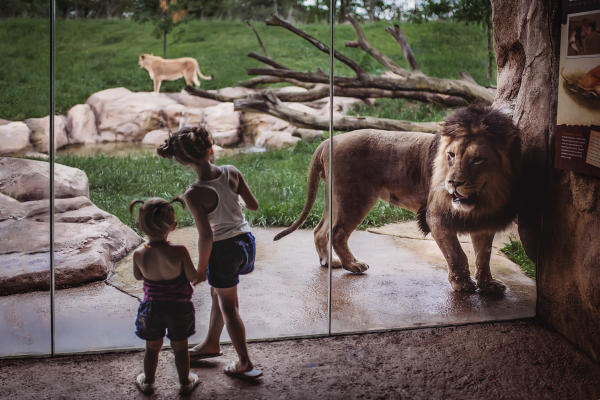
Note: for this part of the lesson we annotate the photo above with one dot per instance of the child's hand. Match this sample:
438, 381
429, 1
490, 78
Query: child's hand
201, 276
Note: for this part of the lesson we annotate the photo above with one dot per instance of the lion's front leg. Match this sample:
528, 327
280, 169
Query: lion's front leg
458, 264
482, 244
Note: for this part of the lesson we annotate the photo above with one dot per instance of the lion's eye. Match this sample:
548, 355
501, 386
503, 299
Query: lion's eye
478, 161
450, 154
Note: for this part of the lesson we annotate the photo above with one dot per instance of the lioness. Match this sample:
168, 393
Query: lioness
161, 69
462, 179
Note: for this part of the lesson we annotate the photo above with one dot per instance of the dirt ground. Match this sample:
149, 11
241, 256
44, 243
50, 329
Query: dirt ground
507, 360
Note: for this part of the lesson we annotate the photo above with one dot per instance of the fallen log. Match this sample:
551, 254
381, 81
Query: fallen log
268, 103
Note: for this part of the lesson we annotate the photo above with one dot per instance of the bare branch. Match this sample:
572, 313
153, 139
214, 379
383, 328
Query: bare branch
465, 75
372, 51
267, 80
267, 60
276, 21
268, 103
397, 33
260, 42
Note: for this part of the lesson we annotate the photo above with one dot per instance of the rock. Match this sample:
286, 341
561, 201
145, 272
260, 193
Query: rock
156, 137
40, 132
81, 124
122, 115
179, 116
4, 121
307, 134
256, 123
235, 91
88, 241
276, 140
188, 100
223, 123
14, 137
27, 180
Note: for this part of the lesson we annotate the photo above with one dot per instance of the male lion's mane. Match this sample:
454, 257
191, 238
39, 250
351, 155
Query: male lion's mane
492, 214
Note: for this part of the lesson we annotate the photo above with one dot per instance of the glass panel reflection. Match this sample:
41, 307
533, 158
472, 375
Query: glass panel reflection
24, 180
114, 123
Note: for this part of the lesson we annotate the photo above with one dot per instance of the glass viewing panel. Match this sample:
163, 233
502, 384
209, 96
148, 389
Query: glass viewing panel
24, 182
393, 276
113, 125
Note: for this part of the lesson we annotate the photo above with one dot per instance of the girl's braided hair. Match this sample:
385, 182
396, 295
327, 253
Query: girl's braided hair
188, 145
156, 216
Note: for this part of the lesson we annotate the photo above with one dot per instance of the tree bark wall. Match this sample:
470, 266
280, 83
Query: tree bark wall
560, 223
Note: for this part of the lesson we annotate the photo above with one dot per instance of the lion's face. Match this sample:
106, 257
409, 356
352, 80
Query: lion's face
475, 168
143, 60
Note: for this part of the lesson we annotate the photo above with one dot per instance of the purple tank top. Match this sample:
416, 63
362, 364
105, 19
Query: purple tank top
178, 289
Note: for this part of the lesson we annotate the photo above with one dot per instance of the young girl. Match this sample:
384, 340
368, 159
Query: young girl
226, 246
167, 271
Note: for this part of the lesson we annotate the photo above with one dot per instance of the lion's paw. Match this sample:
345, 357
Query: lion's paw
335, 263
356, 267
463, 284
491, 287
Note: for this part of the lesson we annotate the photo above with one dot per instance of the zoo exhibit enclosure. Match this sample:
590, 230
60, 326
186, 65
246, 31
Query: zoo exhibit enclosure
288, 293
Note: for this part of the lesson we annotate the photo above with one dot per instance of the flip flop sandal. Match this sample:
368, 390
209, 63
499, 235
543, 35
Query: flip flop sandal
189, 388
142, 385
250, 375
201, 356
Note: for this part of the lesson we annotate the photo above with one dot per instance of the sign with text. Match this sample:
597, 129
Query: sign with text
577, 141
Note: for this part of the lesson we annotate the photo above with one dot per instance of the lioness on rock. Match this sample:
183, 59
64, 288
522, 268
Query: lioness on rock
461, 180
161, 69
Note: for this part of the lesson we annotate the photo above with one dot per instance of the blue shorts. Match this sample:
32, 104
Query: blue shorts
229, 259
156, 317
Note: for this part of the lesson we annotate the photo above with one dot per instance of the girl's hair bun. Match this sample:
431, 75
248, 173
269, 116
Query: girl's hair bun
165, 150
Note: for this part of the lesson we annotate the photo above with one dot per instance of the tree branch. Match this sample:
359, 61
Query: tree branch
372, 51
267, 80
260, 42
267, 60
267, 103
397, 33
276, 21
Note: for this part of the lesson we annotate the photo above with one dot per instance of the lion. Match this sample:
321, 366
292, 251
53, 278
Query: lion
161, 69
461, 180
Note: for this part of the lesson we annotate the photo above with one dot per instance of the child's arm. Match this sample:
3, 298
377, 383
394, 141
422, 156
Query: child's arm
243, 190
137, 274
205, 234
188, 266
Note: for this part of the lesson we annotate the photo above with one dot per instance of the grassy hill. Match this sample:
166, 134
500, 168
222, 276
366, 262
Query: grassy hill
93, 55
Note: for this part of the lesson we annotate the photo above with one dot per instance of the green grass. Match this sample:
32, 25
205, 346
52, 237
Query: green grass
277, 178
401, 109
516, 253
92, 55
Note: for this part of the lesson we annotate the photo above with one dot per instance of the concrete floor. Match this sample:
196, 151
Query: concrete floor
503, 360
286, 295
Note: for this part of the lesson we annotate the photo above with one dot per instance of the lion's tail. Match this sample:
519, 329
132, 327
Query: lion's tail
206, 78
314, 173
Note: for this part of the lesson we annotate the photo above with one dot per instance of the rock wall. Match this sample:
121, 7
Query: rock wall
560, 220
88, 241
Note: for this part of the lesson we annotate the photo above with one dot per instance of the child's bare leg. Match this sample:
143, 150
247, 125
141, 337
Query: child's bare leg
151, 359
182, 360
212, 342
228, 302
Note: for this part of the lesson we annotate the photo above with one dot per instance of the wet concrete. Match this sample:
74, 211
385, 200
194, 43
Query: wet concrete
286, 295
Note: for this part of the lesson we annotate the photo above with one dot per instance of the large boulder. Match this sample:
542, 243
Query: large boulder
156, 137
14, 138
223, 123
123, 115
40, 132
276, 140
27, 180
88, 241
188, 100
255, 124
81, 125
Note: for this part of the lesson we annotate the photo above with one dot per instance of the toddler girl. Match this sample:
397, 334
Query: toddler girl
167, 271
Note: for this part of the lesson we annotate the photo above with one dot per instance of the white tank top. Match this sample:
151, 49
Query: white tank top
227, 219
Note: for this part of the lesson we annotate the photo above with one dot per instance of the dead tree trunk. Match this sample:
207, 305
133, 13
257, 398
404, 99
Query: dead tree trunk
560, 221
